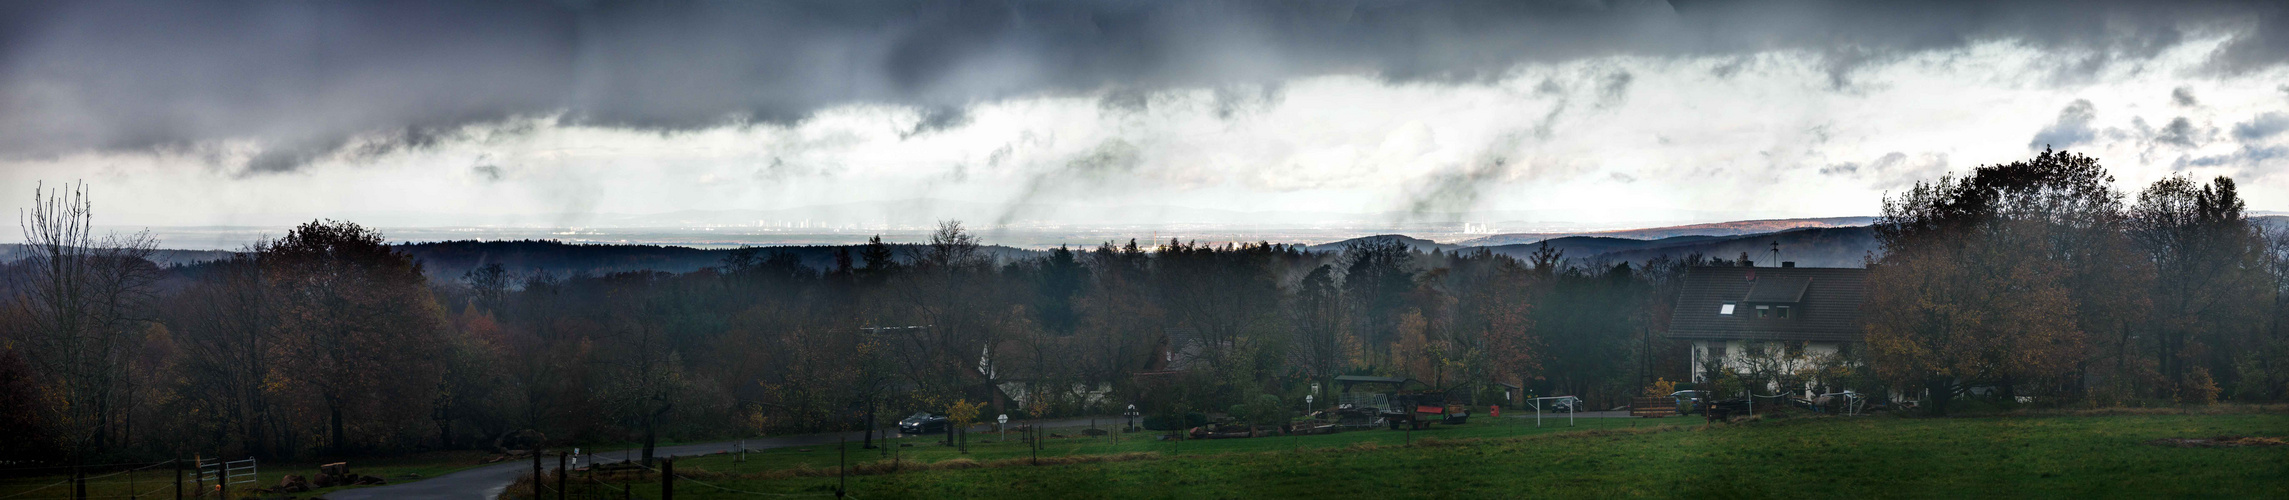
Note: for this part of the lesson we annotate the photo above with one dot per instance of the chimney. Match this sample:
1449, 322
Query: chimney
1788, 264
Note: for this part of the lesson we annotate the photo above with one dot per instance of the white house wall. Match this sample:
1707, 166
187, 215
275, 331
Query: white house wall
1736, 360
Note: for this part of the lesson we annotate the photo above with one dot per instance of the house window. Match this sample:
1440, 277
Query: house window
1763, 312
1781, 311
1726, 310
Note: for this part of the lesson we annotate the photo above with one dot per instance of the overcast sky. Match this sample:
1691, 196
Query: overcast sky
203, 113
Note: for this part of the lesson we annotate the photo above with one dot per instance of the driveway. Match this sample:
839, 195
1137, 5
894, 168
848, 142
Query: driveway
487, 482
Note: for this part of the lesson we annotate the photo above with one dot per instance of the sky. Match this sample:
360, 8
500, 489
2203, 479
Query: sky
468, 113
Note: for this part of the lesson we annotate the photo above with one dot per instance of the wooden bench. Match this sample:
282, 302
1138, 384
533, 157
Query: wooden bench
1655, 407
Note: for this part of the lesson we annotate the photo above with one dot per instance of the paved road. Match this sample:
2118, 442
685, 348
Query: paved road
487, 482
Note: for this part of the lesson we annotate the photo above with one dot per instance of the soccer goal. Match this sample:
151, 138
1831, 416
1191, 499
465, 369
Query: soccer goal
1854, 403
1568, 403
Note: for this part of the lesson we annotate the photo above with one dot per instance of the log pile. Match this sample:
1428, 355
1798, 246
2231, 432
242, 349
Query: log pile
338, 474
329, 475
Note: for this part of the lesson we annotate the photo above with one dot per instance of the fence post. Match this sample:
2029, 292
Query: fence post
178, 479
668, 478
561, 471
79, 484
842, 466
536, 472
199, 473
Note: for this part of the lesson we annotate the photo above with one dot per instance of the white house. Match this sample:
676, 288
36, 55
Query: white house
1784, 318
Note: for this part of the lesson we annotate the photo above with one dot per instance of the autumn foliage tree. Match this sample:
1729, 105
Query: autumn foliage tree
358, 330
1947, 321
1966, 294
2210, 288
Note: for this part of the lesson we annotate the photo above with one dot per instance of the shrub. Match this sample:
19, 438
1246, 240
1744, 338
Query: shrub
1171, 422
1265, 411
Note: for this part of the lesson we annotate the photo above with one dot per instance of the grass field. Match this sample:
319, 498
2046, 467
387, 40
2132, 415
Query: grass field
134, 481
158, 481
2001, 456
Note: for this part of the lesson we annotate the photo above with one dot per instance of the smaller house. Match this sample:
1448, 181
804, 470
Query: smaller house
1379, 394
1783, 319
1177, 352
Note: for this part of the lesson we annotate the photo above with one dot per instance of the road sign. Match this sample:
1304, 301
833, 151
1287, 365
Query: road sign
1004, 418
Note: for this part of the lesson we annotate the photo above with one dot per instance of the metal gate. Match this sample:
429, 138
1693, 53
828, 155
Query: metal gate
224, 474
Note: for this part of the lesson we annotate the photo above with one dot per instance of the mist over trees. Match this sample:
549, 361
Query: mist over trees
2036, 279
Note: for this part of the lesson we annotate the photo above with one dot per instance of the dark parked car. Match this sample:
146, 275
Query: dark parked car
922, 423
1720, 410
1689, 401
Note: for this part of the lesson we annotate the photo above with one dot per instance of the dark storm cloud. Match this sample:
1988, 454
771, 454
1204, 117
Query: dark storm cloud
306, 80
1892, 169
1614, 86
2254, 162
2072, 127
491, 173
939, 118
2181, 133
2263, 126
1091, 169
1447, 195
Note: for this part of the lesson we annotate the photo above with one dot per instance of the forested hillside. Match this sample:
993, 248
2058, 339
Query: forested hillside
2035, 278
451, 259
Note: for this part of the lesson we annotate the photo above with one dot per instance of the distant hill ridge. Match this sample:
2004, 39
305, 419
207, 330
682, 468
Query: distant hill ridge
1818, 242
1814, 242
451, 259
1733, 228
1807, 246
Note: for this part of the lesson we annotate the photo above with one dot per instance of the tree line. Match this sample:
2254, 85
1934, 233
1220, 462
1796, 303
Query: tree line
326, 342
2039, 279
2032, 279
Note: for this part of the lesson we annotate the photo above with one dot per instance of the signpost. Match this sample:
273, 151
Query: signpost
1002, 423
1307, 405
1132, 415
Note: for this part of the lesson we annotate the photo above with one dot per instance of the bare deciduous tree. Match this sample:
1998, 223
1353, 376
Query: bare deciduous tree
84, 306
